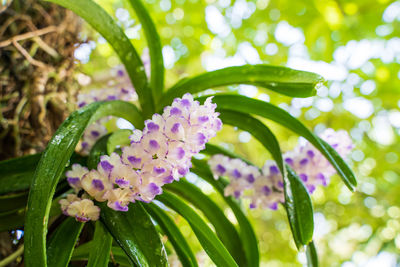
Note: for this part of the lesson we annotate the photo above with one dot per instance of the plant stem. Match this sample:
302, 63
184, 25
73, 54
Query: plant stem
12, 257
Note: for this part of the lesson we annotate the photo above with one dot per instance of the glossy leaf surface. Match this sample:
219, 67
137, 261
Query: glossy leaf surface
282, 80
181, 247
223, 227
211, 244
62, 242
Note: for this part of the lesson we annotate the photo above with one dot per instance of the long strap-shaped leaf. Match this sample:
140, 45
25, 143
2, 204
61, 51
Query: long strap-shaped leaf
175, 236
299, 209
211, 244
51, 167
62, 243
214, 149
99, 254
249, 239
312, 256
118, 138
93, 14
135, 233
283, 80
297, 201
13, 202
269, 111
261, 132
82, 253
155, 48
223, 227
16, 174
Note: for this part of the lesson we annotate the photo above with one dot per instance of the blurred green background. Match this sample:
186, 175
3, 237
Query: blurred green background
355, 45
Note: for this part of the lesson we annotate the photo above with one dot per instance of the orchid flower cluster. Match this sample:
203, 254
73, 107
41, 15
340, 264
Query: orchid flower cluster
120, 88
158, 155
264, 187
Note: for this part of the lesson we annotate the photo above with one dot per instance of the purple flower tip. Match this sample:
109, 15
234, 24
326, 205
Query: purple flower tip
175, 127
82, 104
107, 166
84, 145
237, 194
311, 188
289, 161
185, 103
274, 206
81, 218
95, 133
159, 170
175, 111
274, 170
183, 171
202, 139
181, 153
266, 190
236, 174
121, 182
152, 126
250, 178
154, 144
203, 119
134, 160
303, 177
221, 169
111, 97
118, 206
154, 189
310, 153
303, 161
98, 184
73, 180
169, 179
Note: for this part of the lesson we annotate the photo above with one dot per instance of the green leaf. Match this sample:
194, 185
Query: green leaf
16, 164
51, 166
135, 233
13, 202
168, 226
211, 244
95, 15
99, 149
155, 48
261, 132
269, 111
299, 208
99, 254
223, 227
82, 252
62, 242
214, 149
16, 174
312, 256
249, 239
118, 138
282, 80
11, 221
